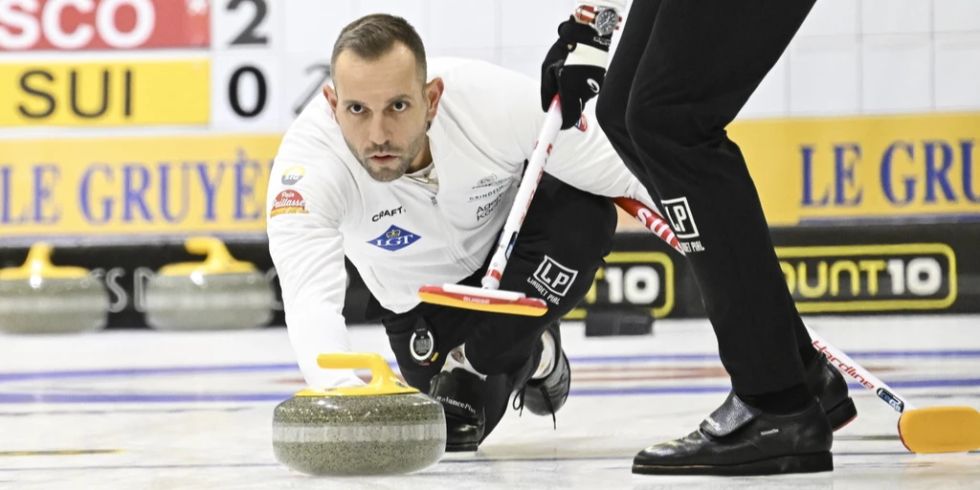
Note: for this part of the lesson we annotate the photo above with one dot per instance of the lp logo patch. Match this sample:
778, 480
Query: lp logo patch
554, 278
680, 216
682, 221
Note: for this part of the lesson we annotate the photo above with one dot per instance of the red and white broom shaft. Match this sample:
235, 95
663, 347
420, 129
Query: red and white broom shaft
651, 219
525, 192
654, 222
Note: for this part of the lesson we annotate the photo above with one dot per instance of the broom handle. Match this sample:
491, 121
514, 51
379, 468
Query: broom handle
525, 192
837, 357
858, 373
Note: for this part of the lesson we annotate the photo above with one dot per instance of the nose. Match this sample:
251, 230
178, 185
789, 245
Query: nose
377, 132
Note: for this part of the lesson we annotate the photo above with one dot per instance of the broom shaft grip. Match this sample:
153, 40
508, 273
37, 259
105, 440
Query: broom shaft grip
525, 193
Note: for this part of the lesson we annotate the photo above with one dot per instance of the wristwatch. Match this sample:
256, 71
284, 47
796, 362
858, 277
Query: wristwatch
603, 20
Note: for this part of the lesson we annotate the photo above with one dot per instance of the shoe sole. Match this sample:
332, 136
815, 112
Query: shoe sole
842, 414
461, 448
799, 463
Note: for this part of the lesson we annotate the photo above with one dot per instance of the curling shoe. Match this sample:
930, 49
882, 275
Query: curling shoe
461, 394
827, 384
737, 439
547, 395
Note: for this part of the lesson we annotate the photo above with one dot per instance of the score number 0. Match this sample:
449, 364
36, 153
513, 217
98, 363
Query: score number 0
252, 35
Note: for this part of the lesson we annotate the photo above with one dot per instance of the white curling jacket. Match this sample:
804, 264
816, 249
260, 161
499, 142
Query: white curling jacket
322, 205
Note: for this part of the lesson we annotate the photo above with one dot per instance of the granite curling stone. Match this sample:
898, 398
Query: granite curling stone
220, 293
382, 428
41, 298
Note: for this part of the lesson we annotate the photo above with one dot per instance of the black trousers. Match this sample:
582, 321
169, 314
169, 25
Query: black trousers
565, 236
682, 71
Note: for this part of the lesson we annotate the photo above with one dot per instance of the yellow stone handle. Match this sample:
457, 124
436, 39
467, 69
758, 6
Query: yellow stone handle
38, 265
217, 259
383, 379
212, 248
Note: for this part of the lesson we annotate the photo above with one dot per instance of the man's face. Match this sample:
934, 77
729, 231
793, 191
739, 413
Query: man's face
383, 109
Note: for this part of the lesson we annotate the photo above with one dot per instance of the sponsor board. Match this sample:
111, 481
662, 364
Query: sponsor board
109, 93
644, 279
869, 169
130, 186
640, 272
868, 278
878, 269
882, 168
27, 25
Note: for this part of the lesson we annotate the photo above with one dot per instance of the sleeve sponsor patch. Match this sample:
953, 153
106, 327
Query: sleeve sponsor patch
293, 175
288, 202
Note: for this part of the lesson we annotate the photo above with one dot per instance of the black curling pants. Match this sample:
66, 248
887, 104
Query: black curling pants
565, 236
682, 71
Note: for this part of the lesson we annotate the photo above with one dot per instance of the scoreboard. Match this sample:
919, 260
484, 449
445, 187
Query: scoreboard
129, 118
221, 65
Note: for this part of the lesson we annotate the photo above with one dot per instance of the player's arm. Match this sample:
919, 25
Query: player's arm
307, 250
582, 157
575, 66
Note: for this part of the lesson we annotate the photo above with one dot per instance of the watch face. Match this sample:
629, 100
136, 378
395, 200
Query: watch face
605, 21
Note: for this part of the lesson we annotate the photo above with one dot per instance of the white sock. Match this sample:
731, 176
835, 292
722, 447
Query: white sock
547, 363
457, 359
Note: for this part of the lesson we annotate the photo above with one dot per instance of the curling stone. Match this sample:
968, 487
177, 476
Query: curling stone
41, 298
219, 293
382, 428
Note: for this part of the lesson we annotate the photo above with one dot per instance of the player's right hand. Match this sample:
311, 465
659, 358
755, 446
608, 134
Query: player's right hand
574, 68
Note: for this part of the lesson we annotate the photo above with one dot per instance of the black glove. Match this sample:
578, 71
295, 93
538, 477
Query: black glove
574, 68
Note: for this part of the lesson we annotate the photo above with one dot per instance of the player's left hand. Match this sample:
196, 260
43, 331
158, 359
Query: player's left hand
574, 68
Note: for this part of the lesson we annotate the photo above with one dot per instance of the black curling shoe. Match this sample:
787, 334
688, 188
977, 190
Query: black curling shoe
827, 384
737, 439
547, 395
461, 394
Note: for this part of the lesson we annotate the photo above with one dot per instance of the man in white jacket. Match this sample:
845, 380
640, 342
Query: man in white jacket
409, 171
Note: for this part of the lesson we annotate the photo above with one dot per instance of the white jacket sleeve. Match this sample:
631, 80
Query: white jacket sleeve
307, 250
583, 159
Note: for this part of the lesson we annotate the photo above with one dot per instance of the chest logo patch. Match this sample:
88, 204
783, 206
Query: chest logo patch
394, 238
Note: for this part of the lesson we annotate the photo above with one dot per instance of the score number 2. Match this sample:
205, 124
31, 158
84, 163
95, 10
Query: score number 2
249, 36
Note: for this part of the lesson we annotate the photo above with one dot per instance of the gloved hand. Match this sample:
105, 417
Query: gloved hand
574, 68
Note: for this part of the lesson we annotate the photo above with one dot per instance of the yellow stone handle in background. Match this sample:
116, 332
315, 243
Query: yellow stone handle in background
383, 379
38, 265
217, 259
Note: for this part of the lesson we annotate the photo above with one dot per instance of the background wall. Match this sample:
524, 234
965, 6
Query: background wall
131, 124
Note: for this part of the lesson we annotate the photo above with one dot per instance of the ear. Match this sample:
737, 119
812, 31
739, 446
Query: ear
331, 96
433, 94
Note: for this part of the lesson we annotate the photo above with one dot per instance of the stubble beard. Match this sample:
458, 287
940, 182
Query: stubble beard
387, 173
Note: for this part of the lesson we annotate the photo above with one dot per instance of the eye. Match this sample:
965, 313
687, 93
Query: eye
355, 109
399, 106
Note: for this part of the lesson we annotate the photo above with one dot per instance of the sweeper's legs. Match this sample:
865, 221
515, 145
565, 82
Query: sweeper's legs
682, 72
565, 236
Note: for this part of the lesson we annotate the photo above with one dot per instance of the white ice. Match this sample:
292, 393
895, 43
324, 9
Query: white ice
139, 409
